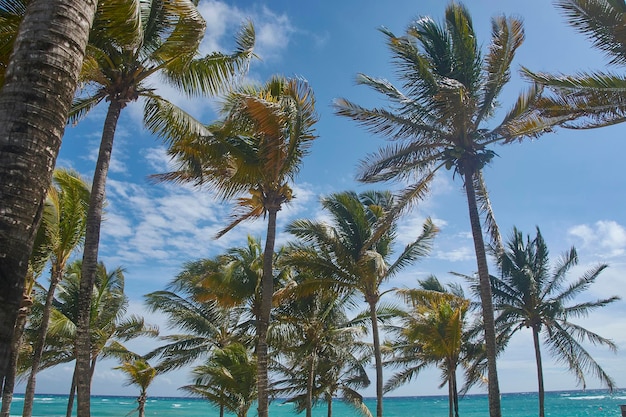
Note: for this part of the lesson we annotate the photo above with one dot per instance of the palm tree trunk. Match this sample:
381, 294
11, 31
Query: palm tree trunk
267, 291
329, 410
378, 359
141, 404
90, 259
9, 382
39, 86
455, 392
309, 387
29, 394
450, 397
70, 398
539, 372
485, 296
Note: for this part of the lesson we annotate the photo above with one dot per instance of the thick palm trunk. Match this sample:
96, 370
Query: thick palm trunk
378, 359
90, 260
485, 296
29, 394
9, 382
39, 86
539, 372
329, 409
455, 391
267, 291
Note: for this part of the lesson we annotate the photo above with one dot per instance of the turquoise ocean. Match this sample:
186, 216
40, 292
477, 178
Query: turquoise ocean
561, 404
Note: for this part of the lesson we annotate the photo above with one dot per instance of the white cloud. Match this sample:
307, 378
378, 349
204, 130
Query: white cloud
606, 238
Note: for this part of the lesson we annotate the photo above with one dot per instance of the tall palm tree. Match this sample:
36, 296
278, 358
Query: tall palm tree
39, 85
132, 41
69, 199
227, 379
441, 121
353, 254
597, 98
255, 151
530, 294
140, 373
432, 332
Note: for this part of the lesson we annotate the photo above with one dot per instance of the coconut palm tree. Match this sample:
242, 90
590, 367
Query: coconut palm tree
69, 199
140, 373
109, 324
597, 98
203, 324
353, 254
441, 121
530, 294
132, 42
316, 343
227, 379
39, 84
254, 152
432, 332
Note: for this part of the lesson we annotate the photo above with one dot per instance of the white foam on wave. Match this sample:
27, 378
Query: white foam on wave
176, 405
589, 397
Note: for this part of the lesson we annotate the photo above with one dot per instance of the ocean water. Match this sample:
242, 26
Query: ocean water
558, 404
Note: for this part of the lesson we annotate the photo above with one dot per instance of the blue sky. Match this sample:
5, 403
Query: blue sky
568, 183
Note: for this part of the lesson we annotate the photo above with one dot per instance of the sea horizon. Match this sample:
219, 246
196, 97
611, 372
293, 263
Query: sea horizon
568, 403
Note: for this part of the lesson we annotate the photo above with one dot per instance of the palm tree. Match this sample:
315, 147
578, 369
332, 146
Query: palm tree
228, 379
312, 334
203, 324
109, 325
140, 373
432, 332
353, 254
257, 148
132, 41
451, 92
32, 120
597, 98
65, 227
528, 294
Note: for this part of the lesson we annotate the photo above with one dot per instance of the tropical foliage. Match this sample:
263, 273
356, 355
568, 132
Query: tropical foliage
596, 98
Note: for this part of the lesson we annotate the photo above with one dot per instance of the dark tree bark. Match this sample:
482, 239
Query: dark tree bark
34, 102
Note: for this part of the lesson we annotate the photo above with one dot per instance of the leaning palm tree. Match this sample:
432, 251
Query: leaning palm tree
132, 42
254, 152
69, 198
227, 379
140, 373
597, 98
352, 253
441, 121
432, 332
529, 294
